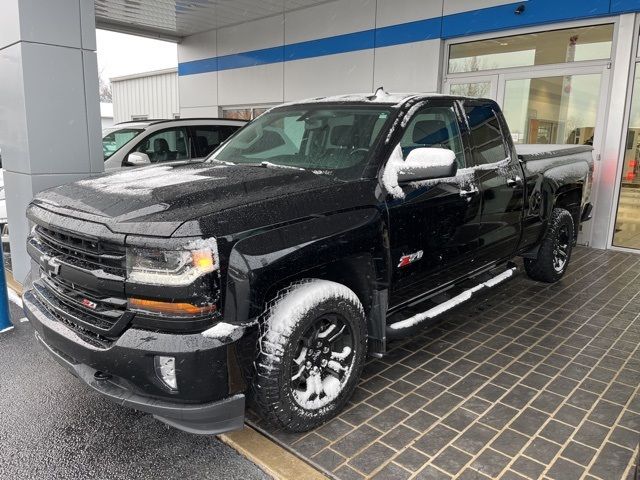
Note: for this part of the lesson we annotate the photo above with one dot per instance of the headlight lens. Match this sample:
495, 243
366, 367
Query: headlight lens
170, 267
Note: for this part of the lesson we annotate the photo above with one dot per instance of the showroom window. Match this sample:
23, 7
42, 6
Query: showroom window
248, 113
541, 48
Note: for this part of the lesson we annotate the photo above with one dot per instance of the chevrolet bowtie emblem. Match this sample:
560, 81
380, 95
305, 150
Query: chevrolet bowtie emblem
51, 265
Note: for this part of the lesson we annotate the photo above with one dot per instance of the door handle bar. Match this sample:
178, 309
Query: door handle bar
513, 182
472, 191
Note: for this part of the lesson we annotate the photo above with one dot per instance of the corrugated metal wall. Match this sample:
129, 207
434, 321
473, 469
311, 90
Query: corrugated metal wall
154, 95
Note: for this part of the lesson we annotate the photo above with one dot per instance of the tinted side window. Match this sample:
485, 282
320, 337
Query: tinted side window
207, 138
486, 135
434, 127
165, 145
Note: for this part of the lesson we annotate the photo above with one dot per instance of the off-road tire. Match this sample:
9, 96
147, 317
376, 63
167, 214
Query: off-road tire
284, 327
559, 237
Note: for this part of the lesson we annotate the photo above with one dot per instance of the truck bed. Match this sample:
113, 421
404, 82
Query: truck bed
531, 151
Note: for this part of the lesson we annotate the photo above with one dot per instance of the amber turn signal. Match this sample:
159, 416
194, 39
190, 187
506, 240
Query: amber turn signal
169, 307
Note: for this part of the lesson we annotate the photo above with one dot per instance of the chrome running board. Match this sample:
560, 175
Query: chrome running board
400, 328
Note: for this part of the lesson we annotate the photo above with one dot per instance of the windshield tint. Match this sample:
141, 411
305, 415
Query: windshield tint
326, 139
114, 138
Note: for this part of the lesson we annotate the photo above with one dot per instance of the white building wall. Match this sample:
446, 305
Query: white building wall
154, 94
408, 67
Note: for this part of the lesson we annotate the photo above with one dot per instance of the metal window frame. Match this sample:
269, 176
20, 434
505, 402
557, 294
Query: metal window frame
523, 31
635, 59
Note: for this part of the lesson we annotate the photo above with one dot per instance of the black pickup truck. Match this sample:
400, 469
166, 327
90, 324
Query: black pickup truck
313, 236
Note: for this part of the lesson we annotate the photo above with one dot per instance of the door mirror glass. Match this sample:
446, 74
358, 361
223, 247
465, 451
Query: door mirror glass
138, 158
427, 164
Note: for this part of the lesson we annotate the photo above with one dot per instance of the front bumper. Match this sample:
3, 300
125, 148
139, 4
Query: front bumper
125, 372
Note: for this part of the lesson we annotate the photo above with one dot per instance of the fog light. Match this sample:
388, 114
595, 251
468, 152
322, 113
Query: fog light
166, 370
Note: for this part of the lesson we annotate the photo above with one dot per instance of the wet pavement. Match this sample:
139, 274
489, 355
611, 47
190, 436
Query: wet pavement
529, 381
51, 426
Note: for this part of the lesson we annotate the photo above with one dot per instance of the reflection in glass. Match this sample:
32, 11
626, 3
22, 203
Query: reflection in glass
627, 226
558, 110
543, 48
473, 89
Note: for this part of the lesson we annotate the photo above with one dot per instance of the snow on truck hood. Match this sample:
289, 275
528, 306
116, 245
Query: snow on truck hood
156, 200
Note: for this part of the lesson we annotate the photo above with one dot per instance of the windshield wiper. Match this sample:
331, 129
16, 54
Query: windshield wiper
276, 165
224, 162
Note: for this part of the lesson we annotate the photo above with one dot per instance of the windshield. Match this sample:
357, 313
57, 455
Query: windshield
114, 138
326, 139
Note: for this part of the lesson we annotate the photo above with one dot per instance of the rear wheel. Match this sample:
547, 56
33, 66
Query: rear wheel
555, 251
312, 348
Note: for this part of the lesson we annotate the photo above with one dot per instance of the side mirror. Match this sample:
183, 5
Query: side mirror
138, 158
427, 164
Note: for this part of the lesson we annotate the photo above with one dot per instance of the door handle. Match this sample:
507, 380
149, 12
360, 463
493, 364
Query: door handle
467, 193
513, 182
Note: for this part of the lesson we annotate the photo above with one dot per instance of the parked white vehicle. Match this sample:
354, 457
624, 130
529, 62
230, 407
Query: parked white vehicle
138, 143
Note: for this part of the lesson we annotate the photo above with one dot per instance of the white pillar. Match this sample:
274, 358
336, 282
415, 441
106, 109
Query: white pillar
49, 105
607, 176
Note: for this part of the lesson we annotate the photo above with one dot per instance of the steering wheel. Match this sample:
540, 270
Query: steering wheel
359, 150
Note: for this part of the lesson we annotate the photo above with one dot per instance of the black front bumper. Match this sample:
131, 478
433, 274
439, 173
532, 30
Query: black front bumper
126, 373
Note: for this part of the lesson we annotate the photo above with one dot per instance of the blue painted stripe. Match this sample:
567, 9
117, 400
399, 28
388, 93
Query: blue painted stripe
502, 17
624, 6
417, 31
350, 42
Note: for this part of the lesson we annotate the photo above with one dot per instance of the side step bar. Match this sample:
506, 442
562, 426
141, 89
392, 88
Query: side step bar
403, 327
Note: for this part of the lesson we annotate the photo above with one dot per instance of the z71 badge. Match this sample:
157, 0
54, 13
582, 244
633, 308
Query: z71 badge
407, 260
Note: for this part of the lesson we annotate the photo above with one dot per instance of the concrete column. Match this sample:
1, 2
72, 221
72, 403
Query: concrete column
49, 105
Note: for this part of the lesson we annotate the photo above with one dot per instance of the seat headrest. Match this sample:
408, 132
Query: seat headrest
341, 136
160, 145
430, 132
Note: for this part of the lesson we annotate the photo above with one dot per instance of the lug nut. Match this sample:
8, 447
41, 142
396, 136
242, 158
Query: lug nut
308, 364
325, 350
319, 344
324, 362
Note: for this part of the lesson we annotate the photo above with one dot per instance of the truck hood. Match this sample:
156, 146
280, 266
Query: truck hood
157, 200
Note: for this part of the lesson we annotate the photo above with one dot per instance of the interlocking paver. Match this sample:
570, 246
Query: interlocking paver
611, 462
531, 381
579, 453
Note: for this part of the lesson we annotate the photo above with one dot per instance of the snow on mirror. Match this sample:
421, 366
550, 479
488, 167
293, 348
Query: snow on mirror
421, 164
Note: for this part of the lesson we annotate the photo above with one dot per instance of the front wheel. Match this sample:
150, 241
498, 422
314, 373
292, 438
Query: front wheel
555, 250
313, 345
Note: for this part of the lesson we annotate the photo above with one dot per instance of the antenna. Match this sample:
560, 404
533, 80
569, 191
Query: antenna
379, 94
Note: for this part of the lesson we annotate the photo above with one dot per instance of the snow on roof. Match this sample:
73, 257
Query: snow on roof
380, 96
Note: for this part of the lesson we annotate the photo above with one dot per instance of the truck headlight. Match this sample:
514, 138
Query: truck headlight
170, 267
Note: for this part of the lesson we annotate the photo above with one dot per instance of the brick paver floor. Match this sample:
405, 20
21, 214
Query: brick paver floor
530, 381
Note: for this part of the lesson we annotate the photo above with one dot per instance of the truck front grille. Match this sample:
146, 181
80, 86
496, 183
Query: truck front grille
83, 250
84, 288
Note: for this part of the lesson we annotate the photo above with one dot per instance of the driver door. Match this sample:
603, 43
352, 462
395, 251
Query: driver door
434, 229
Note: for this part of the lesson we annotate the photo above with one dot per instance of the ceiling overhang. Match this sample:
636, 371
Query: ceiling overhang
176, 19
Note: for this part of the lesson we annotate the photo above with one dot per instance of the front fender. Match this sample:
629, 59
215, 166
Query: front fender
269, 260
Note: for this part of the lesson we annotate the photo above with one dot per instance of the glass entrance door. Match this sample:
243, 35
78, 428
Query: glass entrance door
553, 109
627, 226
551, 106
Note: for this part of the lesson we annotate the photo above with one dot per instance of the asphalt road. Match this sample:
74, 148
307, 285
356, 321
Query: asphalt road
51, 426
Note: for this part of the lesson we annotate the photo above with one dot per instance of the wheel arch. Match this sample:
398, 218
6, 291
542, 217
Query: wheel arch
350, 253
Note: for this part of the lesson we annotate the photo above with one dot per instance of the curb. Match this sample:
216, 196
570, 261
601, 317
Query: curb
269, 456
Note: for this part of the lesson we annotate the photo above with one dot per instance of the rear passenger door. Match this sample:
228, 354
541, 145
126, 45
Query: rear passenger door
207, 138
434, 228
501, 181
